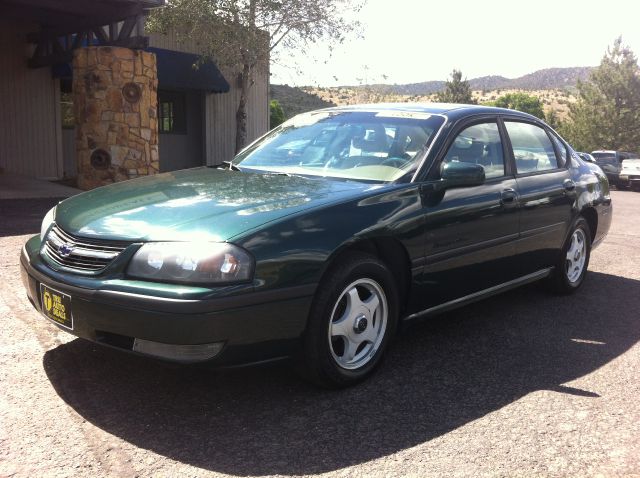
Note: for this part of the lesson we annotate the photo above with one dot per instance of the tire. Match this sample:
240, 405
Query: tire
347, 334
571, 268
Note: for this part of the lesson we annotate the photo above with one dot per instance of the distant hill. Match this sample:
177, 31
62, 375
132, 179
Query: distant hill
547, 79
550, 78
412, 89
554, 86
493, 82
295, 101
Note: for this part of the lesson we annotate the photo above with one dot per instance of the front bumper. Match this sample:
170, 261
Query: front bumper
251, 327
629, 179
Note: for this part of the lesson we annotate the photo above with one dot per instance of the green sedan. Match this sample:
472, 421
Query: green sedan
321, 237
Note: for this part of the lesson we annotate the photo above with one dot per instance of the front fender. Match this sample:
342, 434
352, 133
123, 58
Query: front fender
298, 249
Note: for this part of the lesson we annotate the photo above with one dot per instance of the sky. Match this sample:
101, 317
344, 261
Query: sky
410, 41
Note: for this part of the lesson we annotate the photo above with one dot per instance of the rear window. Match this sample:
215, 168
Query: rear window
603, 155
607, 158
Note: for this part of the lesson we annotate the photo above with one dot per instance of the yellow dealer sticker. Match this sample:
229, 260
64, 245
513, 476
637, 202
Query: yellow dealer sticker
56, 306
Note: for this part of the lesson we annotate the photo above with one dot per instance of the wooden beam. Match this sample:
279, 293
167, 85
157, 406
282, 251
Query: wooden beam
127, 28
51, 52
100, 35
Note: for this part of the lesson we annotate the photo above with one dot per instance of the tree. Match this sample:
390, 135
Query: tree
553, 120
522, 102
607, 112
276, 114
456, 90
241, 35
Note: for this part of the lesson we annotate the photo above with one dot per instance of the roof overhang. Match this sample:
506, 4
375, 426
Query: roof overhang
68, 16
69, 24
188, 71
176, 70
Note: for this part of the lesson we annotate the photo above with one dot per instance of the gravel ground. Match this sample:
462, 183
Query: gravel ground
518, 385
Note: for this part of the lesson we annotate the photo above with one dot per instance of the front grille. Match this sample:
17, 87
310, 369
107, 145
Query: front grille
88, 255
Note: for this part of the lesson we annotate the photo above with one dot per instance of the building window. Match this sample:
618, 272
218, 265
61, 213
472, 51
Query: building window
171, 112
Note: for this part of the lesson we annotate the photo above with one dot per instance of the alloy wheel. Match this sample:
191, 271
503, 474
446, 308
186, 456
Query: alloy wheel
358, 323
576, 256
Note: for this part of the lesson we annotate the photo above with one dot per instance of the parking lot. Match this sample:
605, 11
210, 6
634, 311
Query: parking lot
522, 384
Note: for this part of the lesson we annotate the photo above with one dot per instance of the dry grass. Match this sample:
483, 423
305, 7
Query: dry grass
557, 100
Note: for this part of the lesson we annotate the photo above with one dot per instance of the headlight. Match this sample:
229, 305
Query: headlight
201, 263
46, 222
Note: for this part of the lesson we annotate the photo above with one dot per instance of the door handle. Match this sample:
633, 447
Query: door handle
508, 197
569, 185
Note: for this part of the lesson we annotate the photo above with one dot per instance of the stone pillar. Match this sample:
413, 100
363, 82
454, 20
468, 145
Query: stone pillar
115, 104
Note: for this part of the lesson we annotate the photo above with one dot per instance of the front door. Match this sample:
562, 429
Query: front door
472, 231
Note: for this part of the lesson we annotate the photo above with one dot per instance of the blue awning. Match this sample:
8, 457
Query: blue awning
183, 70
175, 70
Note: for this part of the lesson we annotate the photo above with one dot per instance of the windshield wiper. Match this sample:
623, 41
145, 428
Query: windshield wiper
228, 164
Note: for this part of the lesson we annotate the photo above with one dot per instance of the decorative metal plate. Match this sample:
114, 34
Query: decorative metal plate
100, 159
131, 92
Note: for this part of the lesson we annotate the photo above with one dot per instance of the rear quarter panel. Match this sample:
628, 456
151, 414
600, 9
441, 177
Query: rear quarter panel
594, 192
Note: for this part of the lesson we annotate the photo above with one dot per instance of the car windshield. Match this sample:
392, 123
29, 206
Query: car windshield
366, 146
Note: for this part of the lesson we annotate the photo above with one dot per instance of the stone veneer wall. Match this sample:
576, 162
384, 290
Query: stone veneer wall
115, 104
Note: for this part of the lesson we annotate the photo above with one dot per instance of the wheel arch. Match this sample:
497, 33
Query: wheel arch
591, 216
387, 249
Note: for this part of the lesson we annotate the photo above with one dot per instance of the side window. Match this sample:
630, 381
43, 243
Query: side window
532, 148
172, 112
563, 152
479, 144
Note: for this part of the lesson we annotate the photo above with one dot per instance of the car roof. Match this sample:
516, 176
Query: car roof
452, 110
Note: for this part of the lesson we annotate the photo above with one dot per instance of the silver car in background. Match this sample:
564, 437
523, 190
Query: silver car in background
586, 157
630, 173
611, 164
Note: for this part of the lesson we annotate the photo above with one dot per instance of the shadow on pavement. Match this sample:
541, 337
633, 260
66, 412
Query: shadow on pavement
23, 216
439, 375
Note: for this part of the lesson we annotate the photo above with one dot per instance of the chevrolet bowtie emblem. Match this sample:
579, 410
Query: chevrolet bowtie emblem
65, 250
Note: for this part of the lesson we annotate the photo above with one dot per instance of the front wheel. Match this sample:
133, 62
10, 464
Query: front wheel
353, 317
572, 265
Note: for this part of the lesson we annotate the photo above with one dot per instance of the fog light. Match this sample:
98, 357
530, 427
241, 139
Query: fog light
178, 353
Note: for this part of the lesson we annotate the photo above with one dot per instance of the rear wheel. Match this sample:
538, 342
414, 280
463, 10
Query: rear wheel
572, 265
353, 317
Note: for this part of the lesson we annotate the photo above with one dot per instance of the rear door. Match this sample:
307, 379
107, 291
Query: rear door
547, 192
471, 231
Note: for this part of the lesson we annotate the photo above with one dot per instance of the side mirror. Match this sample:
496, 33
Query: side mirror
456, 174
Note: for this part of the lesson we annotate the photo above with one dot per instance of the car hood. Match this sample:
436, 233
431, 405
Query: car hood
196, 204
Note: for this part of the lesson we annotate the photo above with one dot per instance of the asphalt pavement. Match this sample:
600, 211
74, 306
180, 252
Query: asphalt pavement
522, 384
